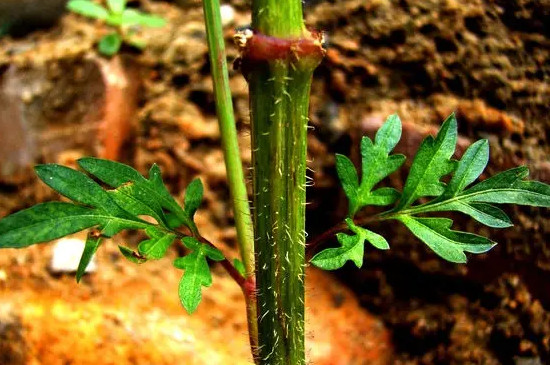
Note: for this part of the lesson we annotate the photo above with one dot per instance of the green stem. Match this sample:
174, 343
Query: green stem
279, 79
235, 176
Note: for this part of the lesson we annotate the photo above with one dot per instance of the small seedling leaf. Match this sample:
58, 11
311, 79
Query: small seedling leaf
116, 6
88, 9
110, 44
134, 17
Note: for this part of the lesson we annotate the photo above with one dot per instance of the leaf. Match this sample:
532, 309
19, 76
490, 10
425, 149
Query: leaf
134, 17
131, 256
93, 242
349, 179
509, 187
352, 248
430, 164
484, 213
116, 6
155, 248
196, 272
239, 266
134, 201
145, 190
373, 238
45, 222
450, 245
80, 188
88, 8
110, 44
334, 258
76, 186
377, 164
192, 201
469, 168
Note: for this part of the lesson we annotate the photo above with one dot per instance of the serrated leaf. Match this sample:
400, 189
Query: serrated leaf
45, 222
116, 174
431, 163
196, 272
76, 186
349, 180
88, 8
377, 164
135, 17
93, 241
110, 44
509, 187
116, 6
373, 238
211, 252
352, 248
156, 246
81, 189
192, 201
469, 168
131, 255
136, 202
448, 244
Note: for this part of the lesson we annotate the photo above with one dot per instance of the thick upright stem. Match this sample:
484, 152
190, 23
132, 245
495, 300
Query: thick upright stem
278, 62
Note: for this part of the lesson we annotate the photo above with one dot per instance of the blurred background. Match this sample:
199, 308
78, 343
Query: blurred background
488, 60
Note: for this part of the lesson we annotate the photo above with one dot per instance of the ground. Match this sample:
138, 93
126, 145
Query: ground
487, 60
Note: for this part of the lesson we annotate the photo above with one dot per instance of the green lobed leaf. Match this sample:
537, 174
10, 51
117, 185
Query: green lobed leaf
134, 201
76, 186
377, 164
192, 201
93, 241
196, 272
469, 168
145, 190
448, 244
110, 44
509, 187
349, 179
88, 8
116, 6
46, 222
155, 248
430, 164
131, 255
374, 239
352, 248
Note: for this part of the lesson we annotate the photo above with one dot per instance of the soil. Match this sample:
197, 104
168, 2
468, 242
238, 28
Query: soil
489, 60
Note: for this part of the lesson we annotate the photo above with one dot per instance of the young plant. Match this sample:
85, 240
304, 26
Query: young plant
118, 16
278, 58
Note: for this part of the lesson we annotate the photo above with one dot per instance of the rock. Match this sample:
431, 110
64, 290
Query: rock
66, 256
228, 14
19, 17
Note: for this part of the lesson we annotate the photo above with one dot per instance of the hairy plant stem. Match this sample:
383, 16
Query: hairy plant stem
279, 80
235, 176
